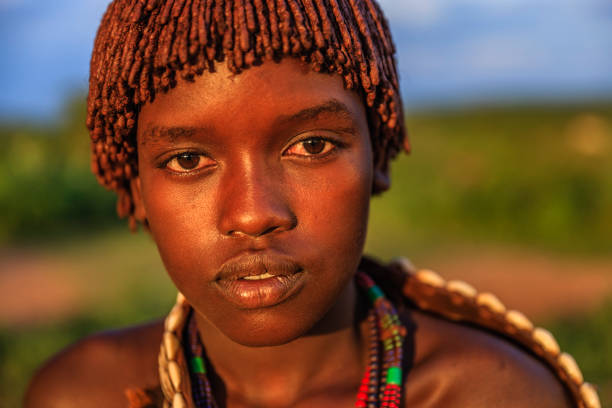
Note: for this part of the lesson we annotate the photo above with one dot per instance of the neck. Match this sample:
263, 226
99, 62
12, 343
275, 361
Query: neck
259, 376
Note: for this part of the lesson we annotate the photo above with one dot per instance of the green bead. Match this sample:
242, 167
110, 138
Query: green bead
197, 365
374, 293
394, 376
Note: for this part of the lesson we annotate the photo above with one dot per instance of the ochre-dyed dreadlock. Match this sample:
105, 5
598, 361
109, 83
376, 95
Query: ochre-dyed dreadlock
144, 47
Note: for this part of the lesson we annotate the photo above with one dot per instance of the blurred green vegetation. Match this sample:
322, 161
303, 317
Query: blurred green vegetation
534, 176
46, 187
531, 176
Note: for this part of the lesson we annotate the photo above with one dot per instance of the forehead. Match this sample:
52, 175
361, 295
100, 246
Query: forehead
258, 97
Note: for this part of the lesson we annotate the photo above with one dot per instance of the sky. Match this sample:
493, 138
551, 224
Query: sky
450, 52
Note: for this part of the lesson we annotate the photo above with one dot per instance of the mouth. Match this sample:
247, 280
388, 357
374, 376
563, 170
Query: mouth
259, 281
259, 277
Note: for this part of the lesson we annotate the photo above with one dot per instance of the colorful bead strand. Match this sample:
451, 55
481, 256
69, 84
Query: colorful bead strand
391, 335
202, 391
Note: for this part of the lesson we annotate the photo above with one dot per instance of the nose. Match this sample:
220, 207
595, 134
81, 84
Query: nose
253, 203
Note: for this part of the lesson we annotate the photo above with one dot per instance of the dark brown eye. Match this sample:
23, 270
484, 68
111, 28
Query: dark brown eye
314, 146
188, 161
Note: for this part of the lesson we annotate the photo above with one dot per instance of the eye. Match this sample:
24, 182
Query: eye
314, 146
188, 162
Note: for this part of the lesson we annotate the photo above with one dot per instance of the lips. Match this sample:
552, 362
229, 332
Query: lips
255, 281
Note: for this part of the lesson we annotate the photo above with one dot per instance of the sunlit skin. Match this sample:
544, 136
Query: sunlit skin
269, 172
272, 164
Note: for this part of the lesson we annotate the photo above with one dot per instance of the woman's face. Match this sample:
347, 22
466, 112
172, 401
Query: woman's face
256, 189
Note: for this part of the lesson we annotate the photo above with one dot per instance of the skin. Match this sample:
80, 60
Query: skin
227, 171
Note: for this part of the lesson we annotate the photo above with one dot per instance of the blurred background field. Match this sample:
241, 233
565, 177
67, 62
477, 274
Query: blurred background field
509, 187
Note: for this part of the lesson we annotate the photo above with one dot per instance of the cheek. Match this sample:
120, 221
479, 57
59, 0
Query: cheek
333, 205
181, 223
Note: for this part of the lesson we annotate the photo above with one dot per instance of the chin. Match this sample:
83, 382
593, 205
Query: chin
266, 339
265, 329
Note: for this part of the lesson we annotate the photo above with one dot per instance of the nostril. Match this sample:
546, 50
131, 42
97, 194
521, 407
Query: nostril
260, 234
269, 230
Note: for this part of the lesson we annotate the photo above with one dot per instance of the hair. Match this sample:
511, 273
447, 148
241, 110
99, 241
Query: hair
144, 47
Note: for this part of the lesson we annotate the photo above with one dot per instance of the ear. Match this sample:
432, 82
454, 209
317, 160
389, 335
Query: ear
382, 181
140, 213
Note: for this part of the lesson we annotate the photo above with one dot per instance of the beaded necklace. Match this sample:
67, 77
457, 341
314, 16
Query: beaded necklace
380, 386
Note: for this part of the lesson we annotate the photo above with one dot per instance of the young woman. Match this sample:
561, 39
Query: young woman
247, 136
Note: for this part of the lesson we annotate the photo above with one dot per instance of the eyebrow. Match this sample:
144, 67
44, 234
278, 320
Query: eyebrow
155, 134
331, 106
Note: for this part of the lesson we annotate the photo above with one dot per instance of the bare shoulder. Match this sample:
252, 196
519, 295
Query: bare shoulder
456, 365
96, 370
